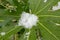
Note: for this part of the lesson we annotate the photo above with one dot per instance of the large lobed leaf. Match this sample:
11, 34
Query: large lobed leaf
48, 27
49, 21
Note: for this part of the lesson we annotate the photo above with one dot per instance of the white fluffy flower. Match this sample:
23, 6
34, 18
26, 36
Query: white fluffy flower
2, 33
56, 7
28, 20
59, 3
45, 0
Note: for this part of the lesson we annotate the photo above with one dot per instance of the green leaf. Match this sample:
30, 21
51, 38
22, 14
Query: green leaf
32, 35
48, 27
49, 21
11, 32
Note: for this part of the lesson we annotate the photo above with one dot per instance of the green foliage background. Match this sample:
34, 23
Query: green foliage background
46, 28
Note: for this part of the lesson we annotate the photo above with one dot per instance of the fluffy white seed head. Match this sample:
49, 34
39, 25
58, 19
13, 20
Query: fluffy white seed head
56, 7
57, 24
45, 0
59, 3
27, 20
2, 33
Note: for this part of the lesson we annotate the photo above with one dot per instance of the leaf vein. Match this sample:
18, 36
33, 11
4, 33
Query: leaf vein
48, 30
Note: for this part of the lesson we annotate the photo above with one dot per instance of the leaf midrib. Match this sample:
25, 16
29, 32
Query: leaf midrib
37, 5
48, 30
44, 7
